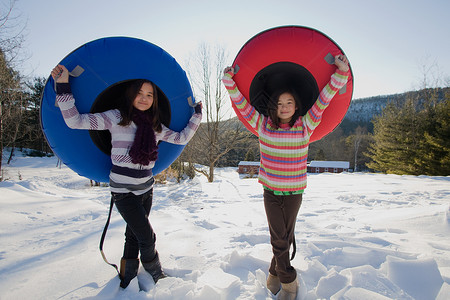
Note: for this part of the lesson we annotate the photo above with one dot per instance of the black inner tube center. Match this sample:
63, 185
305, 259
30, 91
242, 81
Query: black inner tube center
283, 76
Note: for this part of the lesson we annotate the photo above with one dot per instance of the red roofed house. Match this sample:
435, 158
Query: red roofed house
317, 166
248, 167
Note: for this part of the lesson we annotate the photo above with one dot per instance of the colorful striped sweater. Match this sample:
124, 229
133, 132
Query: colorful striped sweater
125, 176
284, 150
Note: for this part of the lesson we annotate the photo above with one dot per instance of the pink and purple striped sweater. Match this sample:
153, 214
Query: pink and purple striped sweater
284, 150
125, 176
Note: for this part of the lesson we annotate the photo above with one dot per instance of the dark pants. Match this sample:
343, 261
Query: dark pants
139, 235
281, 214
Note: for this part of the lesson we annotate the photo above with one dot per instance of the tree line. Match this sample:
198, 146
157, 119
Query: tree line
413, 138
410, 136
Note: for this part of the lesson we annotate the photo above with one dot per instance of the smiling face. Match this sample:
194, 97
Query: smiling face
286, 107
144, 98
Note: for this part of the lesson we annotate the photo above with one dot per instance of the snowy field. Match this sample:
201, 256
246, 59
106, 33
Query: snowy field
359, 236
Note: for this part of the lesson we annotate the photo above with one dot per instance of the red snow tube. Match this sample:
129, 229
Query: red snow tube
294, 57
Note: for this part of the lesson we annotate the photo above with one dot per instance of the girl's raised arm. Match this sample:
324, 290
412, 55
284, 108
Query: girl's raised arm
245, 109
314, 115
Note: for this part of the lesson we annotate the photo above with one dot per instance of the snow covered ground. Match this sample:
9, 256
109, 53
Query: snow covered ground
359, 236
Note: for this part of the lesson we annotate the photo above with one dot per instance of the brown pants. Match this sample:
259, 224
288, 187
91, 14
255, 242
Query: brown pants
281, 214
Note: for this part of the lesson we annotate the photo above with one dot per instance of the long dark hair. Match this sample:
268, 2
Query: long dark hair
273, 107
126, 110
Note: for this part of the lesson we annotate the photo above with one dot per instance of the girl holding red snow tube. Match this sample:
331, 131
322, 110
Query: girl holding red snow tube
284, 139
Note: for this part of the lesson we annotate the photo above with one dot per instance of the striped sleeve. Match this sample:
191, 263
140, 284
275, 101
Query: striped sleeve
182, 137
245, 109
314, 115
75, 120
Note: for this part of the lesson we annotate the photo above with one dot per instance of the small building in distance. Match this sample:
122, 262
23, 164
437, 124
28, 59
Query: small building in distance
315, 166
248, 167
318, 166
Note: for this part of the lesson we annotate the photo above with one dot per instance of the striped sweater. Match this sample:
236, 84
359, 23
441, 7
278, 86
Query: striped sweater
284, 150
125, 176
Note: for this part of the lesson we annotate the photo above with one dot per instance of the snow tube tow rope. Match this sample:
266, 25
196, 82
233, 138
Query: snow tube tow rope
102, 239
99, 71
291, 57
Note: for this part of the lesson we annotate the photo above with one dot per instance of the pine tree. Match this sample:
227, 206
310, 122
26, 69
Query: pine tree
434, 157
411, 130
34, 138
382, 151
395, 139
412, 138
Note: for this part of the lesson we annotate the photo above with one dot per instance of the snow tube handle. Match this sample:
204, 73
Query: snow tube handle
329, 58
236, 69
77, 71
192, 102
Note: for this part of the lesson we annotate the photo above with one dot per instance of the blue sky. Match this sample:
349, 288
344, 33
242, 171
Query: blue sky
386, 41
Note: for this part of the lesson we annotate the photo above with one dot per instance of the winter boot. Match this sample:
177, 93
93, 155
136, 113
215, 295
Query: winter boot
273, 284
154, 268
128, 270
288, 291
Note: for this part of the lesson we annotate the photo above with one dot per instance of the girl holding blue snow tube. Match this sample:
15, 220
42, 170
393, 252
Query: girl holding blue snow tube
135, 131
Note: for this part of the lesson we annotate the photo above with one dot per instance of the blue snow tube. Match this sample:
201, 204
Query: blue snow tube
103, 66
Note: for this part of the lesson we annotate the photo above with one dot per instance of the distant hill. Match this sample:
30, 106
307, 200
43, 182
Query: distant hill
364, 109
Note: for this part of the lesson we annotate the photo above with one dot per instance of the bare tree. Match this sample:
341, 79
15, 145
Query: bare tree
11, 41
10, 105
358, 142
431, 76
12, 33
215, 137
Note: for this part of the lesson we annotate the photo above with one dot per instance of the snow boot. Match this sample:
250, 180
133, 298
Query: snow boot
154, 268
128, 270
273, 284
288, 291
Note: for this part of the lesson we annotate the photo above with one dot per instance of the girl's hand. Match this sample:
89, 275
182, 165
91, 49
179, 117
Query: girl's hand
229, 70
60, 74
341, 62
198, 108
